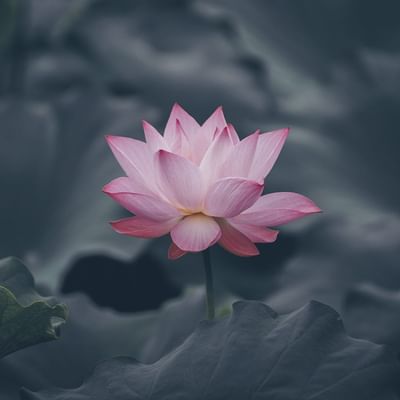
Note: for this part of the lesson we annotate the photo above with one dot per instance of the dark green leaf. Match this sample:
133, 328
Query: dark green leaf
25, 317
253, 354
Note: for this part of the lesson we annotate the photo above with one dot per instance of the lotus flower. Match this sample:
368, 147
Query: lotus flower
202, 185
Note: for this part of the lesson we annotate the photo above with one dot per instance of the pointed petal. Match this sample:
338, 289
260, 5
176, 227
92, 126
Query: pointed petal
277, 209
143, 227
180, 181
203, 138
135, 159
196, 232
154, 138
239, 162
189, 124
228, 197
233, 134
234, 241
269, 147
215, 156
181, 145
257, 234
124, 184
174, 252
215, 121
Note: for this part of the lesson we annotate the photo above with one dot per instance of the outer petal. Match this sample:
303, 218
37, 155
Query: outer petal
124, 184
235, 242
215, 156
239, 162
228, 197
256, 234
268, 149
233, 134
135, 159
196, 233
277, 209
154, 138
174, 252
180, 181
189, 124
144, 205
143, 227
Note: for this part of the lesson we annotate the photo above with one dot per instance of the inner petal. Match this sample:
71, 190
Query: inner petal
196, 233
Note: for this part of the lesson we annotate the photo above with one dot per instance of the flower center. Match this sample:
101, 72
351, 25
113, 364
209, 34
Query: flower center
186, 212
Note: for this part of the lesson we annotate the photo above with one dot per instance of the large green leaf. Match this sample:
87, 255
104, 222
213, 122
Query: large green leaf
253, 354
26, 318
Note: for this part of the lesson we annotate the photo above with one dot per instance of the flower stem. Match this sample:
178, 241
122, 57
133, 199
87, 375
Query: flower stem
209, 284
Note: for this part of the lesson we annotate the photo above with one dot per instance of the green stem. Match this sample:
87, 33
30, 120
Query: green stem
209, 284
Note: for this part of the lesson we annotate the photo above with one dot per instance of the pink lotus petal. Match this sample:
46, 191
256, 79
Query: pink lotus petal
189, 124
234, 241
154, 138
215, 156
124, 184
277, 209
199, 145
233, 134
269, 147
196, 233
144, 205
174, 252
216, 121
239, 162
181, 144
135, 159
143, 227
257, 234
205, 134
180, 181
228, 197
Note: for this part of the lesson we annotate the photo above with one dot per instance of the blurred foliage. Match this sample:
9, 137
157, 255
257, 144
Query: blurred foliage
141, 285
64, 162
372, 312
26, 318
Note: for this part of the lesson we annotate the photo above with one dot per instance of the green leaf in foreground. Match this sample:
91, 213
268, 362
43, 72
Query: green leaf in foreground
253, 354
26, 318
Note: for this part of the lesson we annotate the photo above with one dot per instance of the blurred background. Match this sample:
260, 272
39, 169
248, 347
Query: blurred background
72, 71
